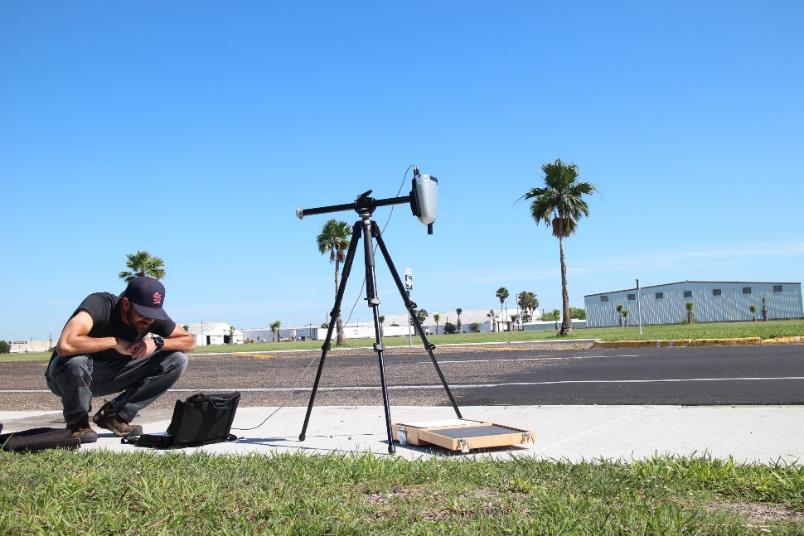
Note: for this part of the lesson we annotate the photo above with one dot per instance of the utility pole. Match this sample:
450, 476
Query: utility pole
639, 308
409, 287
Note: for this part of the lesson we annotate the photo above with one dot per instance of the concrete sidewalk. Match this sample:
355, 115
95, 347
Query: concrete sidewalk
761, 434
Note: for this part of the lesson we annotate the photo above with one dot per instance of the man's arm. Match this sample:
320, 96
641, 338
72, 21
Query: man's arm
180, 340
75, 339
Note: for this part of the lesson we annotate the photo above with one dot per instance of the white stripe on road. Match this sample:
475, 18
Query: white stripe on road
443, 361
452, 386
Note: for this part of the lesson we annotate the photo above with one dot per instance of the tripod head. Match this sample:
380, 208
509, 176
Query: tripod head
423, 200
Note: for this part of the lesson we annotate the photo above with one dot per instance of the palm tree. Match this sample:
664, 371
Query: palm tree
436, 318
560, 204
528, 302
502, 295
275, 330
334, 239
459, 311
690, 307
493, 317
619, 310
753, 309
624, 312
143, 263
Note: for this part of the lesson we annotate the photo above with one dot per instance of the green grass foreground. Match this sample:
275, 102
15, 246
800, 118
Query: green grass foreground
719, 330
61, 492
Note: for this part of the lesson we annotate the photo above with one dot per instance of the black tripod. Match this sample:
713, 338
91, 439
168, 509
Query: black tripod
367, 227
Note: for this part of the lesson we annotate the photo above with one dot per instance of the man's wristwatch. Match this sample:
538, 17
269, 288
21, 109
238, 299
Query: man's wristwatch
159, 342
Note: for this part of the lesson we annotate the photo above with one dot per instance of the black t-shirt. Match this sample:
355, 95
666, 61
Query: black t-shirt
104, 308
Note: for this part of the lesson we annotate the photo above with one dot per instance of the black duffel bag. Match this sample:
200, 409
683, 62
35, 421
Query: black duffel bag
200, 420
37, 439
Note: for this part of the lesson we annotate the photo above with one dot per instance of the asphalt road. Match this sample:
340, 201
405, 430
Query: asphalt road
502, 375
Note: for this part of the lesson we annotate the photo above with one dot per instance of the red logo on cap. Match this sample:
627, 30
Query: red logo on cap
157, 298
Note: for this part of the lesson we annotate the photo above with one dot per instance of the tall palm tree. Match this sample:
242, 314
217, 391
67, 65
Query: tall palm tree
560, 205
143, 263
334, 239
502, 295
458, 311
436, 318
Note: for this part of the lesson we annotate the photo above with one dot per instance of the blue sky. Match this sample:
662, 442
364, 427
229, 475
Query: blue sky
194, 130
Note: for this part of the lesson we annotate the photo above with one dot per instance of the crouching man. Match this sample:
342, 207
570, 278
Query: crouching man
111, 344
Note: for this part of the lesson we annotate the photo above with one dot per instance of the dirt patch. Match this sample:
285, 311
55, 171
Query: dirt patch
433, 505
758, 514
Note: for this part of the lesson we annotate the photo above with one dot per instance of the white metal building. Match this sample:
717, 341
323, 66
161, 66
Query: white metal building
30, 345
393, 326
208, 333
713, 301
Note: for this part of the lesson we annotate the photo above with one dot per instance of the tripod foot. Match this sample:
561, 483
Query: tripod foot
391, 448
301, 437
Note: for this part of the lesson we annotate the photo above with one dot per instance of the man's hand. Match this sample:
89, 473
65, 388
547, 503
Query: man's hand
141, 348
123, 346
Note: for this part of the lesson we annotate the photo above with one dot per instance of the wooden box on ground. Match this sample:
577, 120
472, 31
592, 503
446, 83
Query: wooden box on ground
460, 434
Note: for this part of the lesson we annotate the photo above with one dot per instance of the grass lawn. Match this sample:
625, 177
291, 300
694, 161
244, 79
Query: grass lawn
107, 493
720, 330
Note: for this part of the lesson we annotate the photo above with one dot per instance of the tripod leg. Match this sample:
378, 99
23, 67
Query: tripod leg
336, 311
374, 303
412, 310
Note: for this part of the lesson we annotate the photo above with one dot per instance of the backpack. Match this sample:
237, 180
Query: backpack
200, 420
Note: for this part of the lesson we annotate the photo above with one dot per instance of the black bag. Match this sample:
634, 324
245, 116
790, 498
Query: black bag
37, 439
199, 420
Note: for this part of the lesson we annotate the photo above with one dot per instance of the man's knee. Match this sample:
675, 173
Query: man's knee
175, 363
77, 367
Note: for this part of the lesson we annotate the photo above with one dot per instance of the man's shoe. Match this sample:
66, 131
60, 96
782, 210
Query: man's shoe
83, 431
107, 417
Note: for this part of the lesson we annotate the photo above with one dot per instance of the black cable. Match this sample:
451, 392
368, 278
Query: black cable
363, 285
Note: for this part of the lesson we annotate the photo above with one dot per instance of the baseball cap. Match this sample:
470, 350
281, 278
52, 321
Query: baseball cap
147, 295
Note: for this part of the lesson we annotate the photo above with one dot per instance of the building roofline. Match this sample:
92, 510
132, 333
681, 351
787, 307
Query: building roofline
693, 281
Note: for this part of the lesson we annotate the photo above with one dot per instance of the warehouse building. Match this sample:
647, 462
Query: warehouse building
712, 301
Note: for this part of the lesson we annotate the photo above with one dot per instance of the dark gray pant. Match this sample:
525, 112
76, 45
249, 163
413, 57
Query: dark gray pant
77, 379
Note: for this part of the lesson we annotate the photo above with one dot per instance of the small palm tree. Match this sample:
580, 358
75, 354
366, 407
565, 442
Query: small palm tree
560, 205
625, 317
421, 315
689, 307
334, 239
528, 302
275, 330
753, 309
458, 311
493, 317
436, 318
143, 263
619, 310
